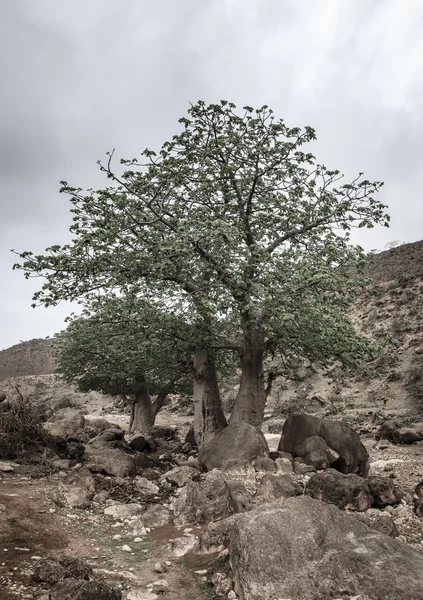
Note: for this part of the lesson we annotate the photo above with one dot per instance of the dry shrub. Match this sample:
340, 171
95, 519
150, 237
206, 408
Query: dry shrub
21, 429
414, 383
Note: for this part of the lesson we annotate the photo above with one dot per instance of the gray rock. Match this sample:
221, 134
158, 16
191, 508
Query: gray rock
156, 516
349, 492
353, 456
79, 488
383, 490
304, 549
122, 511
180, 476
284, 466
237, 440
265, 464
315, 451
138, 442
273, 487
110, 461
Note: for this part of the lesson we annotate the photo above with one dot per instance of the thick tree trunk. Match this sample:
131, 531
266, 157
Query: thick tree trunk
209, 418
251, 399
157, 404
142, 418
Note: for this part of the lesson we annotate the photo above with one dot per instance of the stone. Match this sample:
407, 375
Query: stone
392, 431
160, 567
156, 516
353, 456
301, 468
122, 511
141, 595
240, 497
80, 589
75, 450
406, 436
349, 492
205, 501
305, 549
386, 430
79, 488
180, 476
238, 468
222, 584
237, 440
126, 548
138, 442
49, 571
315, 451
283, 466
383, 490
182, 545
6, 467
273, 487
264, 463
137, 527
275, 426
160, 586
146, 486
61, 464
111, 461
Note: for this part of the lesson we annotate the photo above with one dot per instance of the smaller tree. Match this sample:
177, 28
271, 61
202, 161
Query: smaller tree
127, 346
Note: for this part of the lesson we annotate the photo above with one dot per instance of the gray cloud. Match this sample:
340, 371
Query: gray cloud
83, 77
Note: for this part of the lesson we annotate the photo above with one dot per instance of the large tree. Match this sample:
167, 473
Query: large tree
236, 222
126, 346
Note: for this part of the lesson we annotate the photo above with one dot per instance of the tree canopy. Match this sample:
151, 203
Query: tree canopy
232, 221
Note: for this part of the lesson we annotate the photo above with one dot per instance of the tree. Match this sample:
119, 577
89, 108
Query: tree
126, 346
235, 222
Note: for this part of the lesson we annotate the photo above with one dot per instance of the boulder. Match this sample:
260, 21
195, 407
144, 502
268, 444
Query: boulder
349, 492
386, 430
384, 491
273, 487
391, 430
111, 461
79, 488
205, 501
406, 435
353, 456
123, 511
138, 442
315, 451
156, 516
264, 463
180, 476
304, 549
237, 440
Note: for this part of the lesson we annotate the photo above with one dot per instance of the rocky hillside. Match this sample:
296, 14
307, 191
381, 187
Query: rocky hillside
35, 357
391, 314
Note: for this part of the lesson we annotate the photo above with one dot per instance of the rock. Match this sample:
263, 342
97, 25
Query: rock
222, 584
239, 469
75, 450
2, 396
137, 527
180, 476
70, 424
150, 474
138, 442
141, 595
110, 461
237, 440
190, 437
101, 497
380, 521
315, 451
406, 435
305, 549
146, 486
79, 488
419, 491
160, 586
386, 430
240, 497
275, 426
301, 468
122, 511
181, 546
265, 464
353, 456
349, 492
6, 467
49, 571
273, 487
61, 464
379, 466
126, 548
164, 432
160, 567
283, 466
156, 516
80, 589
383, 490
205, 501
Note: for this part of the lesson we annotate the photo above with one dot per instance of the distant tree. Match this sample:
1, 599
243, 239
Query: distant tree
236, 223
126, 346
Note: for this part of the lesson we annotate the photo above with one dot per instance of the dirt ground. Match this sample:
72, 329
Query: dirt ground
33, 526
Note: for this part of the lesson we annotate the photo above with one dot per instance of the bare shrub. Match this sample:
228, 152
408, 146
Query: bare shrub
21, 429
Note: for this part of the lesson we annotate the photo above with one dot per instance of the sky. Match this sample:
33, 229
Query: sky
83, 77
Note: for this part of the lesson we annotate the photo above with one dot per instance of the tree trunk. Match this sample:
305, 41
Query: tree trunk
251, 399
209, 418
142, 418
157, 404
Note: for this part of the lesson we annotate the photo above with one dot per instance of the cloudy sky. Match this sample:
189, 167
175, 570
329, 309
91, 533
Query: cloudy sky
82, 77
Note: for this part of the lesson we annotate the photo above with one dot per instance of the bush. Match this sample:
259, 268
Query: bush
414, 383
21, 429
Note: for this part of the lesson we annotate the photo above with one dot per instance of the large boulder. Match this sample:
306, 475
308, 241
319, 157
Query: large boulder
237, 440
350, 492
353, 456
391, 430
304, 549
315, 452
110, 461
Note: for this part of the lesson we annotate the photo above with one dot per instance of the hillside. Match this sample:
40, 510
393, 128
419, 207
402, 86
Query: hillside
35, 357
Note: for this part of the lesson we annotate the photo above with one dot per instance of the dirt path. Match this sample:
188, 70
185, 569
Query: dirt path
33, 525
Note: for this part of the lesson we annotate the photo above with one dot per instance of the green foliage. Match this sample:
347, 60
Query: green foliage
233, 223
122, 341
